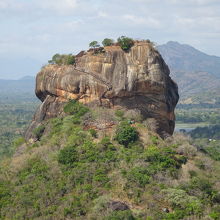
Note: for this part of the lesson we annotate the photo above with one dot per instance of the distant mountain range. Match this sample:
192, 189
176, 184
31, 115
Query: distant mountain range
15, 91
23, 85
196, 73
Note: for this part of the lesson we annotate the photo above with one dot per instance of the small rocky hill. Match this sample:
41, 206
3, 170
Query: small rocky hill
137, 80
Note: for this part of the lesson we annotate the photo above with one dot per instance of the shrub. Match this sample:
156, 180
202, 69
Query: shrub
34, 167
18, 141
154, 139
101, 205
100, 176
139, 175
119, 113
107, 144
151, 124
200, 164
93, 132
134, 115
126, 134
37, 166
179, 199
105, 141
120, 215
94, 44
62, 59
216, 196
5, 195
215, 214
69, 60
203, 184
90, 152
107, 42
73, 107
192, 173
77, 208
68, 156
213, 151
209, 147
38, 132
125, 43
187, 150
163, 158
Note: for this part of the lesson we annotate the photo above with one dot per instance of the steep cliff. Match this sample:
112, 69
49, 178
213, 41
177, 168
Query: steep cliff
137, 80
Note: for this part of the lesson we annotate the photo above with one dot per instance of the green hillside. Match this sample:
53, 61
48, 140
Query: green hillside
76, 172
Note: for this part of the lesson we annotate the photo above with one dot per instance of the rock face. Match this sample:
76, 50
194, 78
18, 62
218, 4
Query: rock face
135, 80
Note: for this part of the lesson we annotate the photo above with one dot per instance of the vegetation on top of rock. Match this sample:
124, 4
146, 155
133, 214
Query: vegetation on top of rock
62, 59
94, 44
125, 43
107, 42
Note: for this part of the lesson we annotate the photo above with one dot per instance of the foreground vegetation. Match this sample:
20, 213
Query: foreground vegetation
76, 172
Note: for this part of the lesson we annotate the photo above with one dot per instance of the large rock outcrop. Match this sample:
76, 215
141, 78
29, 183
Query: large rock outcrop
138, 80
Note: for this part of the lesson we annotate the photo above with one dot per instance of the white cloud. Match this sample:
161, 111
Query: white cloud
102, 14
147, 21
192, 2
10, 5
3, 4
60, 6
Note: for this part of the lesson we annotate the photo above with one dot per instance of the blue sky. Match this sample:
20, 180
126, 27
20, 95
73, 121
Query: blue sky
33, 30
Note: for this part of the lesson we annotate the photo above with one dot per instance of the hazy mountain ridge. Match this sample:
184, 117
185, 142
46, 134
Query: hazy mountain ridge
25, 84
16, 91
196, 73
186, 58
